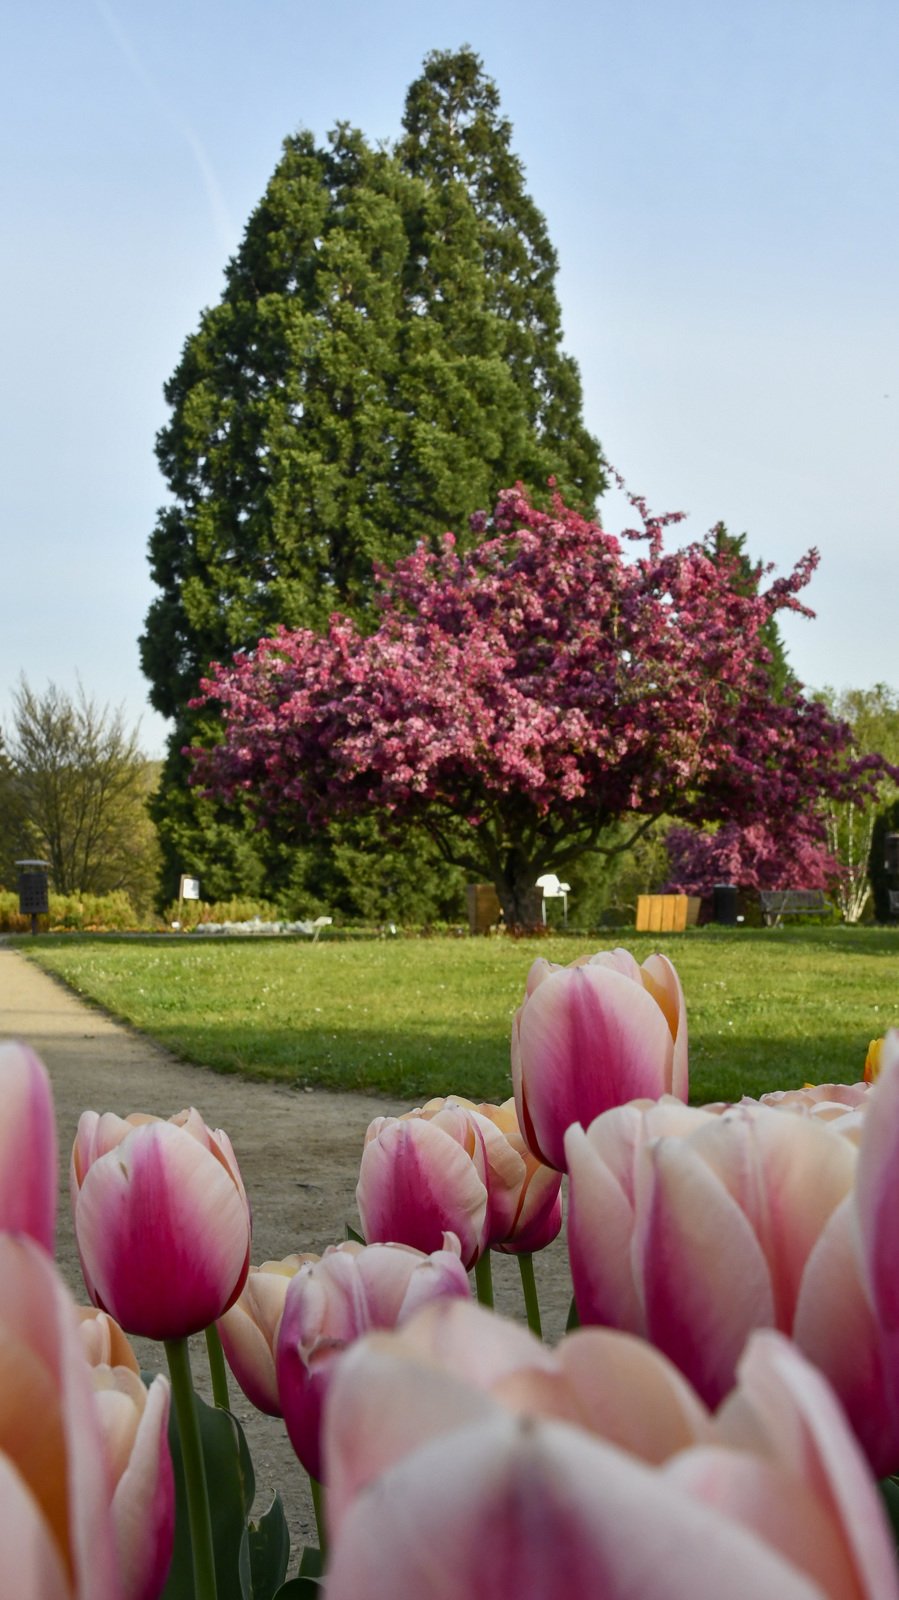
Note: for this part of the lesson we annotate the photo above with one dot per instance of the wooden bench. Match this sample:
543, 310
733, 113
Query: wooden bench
777, 903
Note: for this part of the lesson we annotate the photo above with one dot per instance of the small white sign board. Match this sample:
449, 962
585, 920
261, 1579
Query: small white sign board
190, 889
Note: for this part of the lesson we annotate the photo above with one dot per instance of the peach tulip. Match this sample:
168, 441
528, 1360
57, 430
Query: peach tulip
28, 1153
56, 1532
331, 1302
880, 1051
162, 1220
693, 1227
134, 1424
249, 1330
443, 1168
538, 1211
476, 1487
594, 1035
104, 1343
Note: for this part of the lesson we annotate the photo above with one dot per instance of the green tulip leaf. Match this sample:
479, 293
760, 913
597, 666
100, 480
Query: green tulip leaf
231, 1485
264, 1553
308, 1584
352, 1234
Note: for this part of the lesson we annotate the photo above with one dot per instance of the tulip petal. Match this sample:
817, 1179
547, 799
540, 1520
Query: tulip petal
783, 1397
155, 1210
28, 1150
543, 1512
143, 1505
600, 1229
27, 1546
781, 1509
628, 1393
365, 1431
704, 1280
836, 1328
62, 1461
877, 1191
787, 1173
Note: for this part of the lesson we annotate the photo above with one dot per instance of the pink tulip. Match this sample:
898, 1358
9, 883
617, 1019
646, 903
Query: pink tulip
134, 1423
331, 1302
591, 1036
694, 1227
459, 1496
162, 1221
56, 1533
445, 1168
249, 1330
28, 1153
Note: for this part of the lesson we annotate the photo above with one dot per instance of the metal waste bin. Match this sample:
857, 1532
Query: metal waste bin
724, 904
34, 890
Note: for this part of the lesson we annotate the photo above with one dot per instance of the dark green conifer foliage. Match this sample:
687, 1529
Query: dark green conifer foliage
384, 359
457, 141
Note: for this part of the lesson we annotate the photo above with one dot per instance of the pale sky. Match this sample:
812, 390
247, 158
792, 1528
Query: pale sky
720, 182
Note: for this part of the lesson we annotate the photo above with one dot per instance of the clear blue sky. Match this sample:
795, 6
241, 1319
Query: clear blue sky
720, 182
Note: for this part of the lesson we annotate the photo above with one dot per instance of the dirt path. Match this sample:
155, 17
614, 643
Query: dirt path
298, 1152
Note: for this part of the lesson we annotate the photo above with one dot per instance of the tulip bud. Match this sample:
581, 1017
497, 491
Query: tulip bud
443, 1168
249, 1330
161, 1219
134, 1424
592, 1036
331, 1302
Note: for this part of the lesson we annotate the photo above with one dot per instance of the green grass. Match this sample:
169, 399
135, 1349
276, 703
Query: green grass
411, 1018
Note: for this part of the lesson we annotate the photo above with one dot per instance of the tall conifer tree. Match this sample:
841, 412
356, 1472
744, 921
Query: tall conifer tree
386, 354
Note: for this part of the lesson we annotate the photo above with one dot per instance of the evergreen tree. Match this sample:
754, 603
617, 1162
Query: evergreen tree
387, 346
455, 139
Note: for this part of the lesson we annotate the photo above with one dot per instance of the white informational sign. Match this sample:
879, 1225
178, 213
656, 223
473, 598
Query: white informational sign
190, 889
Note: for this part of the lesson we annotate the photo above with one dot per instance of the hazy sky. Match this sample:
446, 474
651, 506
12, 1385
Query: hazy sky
720, 182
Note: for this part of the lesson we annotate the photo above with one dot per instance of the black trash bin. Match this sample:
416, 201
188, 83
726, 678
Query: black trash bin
724, 904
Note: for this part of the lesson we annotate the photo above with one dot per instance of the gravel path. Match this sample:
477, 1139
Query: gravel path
298, 1152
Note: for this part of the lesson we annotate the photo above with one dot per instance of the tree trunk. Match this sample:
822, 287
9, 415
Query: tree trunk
521, 900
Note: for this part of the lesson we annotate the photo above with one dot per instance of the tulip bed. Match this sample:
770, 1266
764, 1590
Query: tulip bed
768, 1008
714, 1422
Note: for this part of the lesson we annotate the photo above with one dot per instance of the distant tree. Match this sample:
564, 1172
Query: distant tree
519, 700
78, 791
882, 882
781, 853
873, 716
388, 345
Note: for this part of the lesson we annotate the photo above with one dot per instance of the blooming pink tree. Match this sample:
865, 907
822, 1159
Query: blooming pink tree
781, 853
517, 700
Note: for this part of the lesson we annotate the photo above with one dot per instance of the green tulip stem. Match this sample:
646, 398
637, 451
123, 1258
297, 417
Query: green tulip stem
318, 1502
483, 1278
529, 1286
178, 1357
217, 1368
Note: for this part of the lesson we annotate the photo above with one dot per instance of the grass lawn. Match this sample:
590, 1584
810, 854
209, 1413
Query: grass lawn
766, 1009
